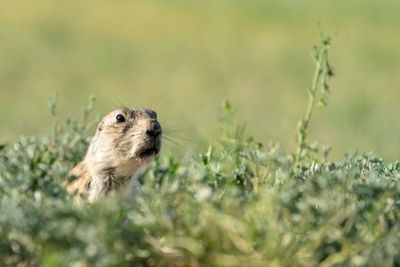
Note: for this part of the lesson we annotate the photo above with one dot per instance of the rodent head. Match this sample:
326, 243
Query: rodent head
126, 139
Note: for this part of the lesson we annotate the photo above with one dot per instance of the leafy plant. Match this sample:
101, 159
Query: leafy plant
319, 90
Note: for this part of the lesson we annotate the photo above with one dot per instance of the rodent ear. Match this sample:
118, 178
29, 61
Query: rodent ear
100, 127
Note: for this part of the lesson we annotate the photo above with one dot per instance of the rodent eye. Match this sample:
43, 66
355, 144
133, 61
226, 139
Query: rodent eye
120, 118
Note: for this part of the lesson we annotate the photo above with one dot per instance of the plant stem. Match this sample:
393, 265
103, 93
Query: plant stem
303, 124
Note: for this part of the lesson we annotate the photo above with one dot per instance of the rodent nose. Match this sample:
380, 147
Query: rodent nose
154, 130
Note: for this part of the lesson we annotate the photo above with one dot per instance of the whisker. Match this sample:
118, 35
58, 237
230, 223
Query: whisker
172, 141
155, 104
181, 138
173, 131
113, 103
120, 103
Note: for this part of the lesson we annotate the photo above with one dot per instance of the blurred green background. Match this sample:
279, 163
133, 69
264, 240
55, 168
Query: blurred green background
183, 58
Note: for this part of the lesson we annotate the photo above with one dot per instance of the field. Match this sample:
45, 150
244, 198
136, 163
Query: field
231, 187
183, 58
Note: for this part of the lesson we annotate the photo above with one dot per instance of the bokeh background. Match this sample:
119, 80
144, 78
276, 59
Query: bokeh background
183, 58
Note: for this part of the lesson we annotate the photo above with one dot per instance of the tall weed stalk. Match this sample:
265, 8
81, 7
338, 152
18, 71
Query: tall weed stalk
319, 90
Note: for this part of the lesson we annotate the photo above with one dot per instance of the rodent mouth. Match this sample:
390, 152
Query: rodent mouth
148, 152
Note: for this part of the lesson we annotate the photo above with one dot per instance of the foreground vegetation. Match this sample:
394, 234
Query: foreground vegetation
238, 204
242, 203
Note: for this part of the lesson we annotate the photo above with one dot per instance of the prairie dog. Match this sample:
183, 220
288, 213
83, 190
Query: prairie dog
125, 140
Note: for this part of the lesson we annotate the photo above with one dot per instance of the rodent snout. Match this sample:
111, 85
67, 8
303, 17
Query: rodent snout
154, 129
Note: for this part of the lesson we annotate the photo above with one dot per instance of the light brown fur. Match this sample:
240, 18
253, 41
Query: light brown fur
117, 151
